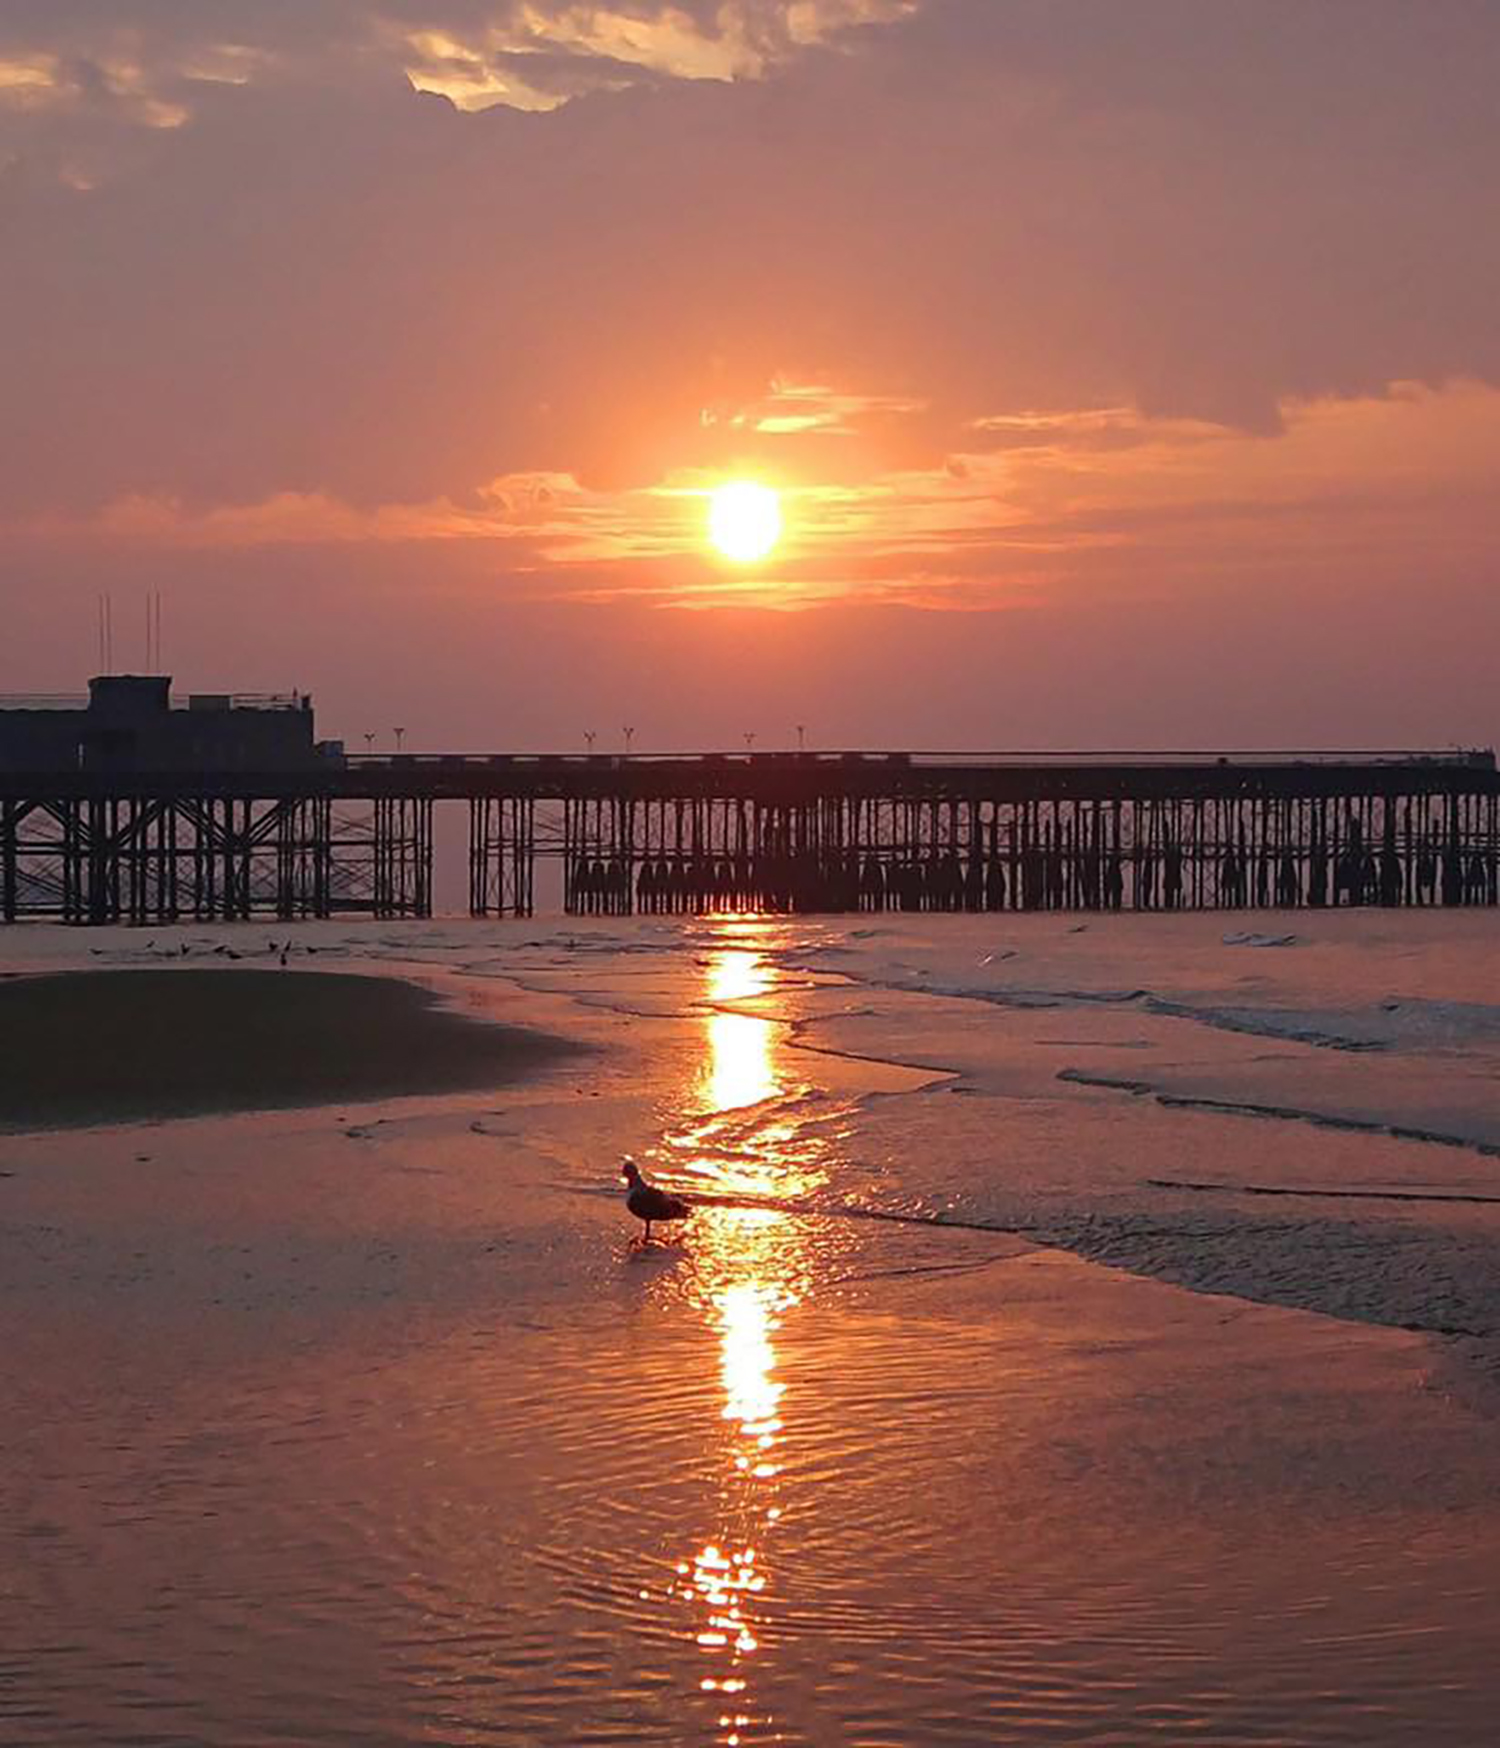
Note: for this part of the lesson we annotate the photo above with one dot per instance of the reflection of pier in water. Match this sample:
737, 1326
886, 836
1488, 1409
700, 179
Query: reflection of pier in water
760, 832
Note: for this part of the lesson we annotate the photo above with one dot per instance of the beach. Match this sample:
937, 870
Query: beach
129, 1046
1086, 1333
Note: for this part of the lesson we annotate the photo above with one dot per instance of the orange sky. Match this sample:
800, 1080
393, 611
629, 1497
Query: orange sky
1129, 373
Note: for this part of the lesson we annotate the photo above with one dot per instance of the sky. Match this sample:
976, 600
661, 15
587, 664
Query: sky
1129, 369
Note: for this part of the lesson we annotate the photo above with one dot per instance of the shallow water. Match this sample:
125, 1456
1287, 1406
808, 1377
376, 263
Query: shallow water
371, 1425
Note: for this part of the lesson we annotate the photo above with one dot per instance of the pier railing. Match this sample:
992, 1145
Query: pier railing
1464, 758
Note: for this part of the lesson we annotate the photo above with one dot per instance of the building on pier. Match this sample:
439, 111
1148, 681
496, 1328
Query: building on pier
130, 723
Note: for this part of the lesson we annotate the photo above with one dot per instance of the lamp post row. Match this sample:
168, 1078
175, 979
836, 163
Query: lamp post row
590, 735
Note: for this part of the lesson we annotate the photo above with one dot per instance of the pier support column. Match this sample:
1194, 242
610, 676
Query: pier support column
10, 826
403, 856
502, 854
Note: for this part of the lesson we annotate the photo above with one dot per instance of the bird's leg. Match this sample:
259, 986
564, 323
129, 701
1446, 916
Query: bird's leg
647, 1238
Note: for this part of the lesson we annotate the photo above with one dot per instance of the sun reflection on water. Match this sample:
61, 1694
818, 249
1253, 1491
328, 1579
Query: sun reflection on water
725, 1578
738, 1137
751, 1268
740, 1068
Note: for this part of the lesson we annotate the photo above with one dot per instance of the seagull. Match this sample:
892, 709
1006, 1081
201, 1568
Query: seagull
647, 1202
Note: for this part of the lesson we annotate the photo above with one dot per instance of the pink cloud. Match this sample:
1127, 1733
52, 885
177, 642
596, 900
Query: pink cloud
1087, 313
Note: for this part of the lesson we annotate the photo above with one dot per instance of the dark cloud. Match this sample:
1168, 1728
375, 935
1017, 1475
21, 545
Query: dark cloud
321, 280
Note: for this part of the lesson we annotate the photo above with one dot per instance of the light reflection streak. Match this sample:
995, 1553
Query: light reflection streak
741, 1066
752, 1267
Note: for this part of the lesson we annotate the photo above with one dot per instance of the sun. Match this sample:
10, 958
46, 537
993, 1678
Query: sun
744, 520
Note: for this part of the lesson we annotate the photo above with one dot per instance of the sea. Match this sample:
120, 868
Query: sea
1087, 1330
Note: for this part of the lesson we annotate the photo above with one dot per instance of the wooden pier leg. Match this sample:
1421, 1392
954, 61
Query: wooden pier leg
1450, 878
10, 830
93, 866
479, 858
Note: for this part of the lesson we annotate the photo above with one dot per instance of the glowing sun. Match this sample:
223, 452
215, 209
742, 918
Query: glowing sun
744, 520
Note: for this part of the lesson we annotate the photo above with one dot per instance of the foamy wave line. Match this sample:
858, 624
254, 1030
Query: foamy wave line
814, 1210
1280, 1113
1273, 1023
1316, 1190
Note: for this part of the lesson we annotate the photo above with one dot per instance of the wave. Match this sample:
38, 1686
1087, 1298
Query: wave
1280, 1113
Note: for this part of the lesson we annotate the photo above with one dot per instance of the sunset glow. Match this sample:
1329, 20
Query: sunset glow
744, 521
1043, 450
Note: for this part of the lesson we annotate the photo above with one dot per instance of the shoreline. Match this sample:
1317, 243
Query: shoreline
88, 1048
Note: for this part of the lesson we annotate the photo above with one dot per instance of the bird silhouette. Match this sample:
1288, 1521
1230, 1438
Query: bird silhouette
647, 1202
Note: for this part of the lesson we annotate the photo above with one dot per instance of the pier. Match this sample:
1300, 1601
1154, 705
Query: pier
773, 832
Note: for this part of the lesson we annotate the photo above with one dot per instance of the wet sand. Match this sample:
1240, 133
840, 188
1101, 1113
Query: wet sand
392, 1438
371, 1424
110, 1046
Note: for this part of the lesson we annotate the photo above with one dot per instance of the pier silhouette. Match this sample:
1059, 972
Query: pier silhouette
763, 831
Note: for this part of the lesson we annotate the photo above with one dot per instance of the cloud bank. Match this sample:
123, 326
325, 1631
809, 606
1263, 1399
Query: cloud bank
247, 256
1019, 299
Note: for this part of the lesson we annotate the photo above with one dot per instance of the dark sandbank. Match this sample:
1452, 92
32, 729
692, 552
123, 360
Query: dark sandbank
120, 1046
